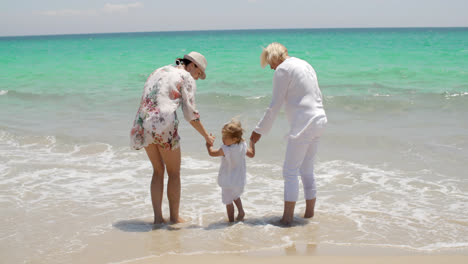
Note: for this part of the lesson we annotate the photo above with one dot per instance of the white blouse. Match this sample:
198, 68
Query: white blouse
295, 84
232, 172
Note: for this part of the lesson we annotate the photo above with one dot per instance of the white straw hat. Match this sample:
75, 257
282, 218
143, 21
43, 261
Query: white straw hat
199, 60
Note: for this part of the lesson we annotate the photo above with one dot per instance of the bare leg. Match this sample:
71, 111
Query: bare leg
230, 212
310, 206
288, 213
157, 182
240, 209
172, 159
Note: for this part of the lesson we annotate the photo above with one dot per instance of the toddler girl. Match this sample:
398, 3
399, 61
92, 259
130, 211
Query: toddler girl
232, 172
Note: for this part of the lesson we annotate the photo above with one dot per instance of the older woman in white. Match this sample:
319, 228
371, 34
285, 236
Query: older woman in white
294, 85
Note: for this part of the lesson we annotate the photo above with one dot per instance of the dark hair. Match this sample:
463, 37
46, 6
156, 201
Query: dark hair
180, 61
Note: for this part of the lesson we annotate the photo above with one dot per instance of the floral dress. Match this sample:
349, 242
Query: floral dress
156, 120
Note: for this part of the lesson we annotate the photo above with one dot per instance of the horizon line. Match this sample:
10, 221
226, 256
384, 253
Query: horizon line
219, 30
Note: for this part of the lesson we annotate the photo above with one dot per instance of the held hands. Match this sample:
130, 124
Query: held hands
251, 150
252, 145
209, 143
209, 147
210, 140
255, 137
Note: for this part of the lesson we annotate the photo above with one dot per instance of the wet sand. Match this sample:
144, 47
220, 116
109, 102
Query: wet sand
228, 259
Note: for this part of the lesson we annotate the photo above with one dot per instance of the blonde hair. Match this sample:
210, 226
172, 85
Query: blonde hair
233, 130
275, 52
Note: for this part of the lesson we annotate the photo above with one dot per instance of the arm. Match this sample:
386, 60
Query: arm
201, 129
214, 153
189, 109
250, 150
280, 87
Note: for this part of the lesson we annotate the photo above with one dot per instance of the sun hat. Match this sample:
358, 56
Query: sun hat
199, 60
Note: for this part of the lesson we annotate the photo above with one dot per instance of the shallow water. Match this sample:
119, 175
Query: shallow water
391, 166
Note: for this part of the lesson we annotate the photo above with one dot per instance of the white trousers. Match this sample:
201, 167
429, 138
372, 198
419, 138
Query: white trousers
299, 161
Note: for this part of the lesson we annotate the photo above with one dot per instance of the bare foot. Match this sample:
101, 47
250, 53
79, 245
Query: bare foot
178, 221
286, 222
288, 214
240, 216
159, 220
308, 215
310, 206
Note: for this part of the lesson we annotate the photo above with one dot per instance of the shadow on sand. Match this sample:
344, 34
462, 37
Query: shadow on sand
138, 226
260, 221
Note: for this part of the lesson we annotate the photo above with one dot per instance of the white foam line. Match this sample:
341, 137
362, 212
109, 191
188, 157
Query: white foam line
194, 164
289, 243
456, 94
255, 97
8, 236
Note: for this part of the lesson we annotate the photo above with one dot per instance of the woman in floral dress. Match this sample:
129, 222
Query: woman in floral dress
155, 127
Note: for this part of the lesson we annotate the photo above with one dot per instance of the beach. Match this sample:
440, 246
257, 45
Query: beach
391, 164
300, 260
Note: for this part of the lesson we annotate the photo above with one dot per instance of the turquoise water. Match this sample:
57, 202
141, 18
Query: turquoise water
50, 84
354, 61
396, 101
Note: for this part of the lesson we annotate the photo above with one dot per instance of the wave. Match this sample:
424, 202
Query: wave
126, 95
370, 89
358, 203
383, 102
448, 95
31, 95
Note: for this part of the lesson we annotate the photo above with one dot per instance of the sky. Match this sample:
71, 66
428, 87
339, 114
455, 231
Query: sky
48, 17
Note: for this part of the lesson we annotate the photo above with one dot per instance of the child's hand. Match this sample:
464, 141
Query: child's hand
251, 150
210, 140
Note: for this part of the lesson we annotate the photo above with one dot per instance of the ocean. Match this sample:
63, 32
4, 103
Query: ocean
391, 167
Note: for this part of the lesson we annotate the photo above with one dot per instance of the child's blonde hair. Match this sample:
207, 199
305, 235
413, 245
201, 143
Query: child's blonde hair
234, 130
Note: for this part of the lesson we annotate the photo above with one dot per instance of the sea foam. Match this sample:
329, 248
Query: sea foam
357, 203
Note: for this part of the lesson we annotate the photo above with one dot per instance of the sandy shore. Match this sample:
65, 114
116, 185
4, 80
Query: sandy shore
227, 259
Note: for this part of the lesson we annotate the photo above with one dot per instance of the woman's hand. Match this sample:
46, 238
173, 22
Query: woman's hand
199, 127
210, 140
255, 137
